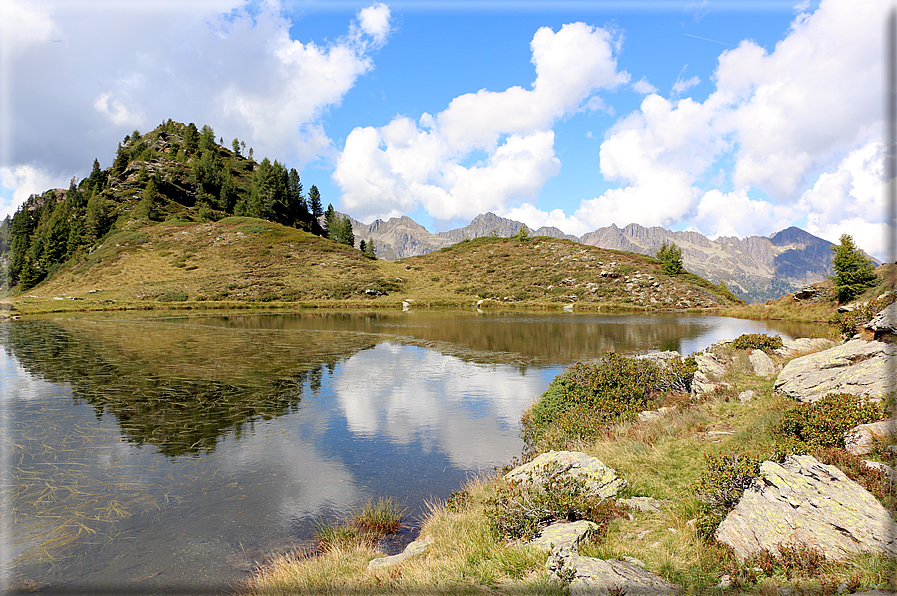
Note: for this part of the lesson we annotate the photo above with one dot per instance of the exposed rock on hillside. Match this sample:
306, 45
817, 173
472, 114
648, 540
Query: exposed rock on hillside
803, 501
859, 367
860, 440
601, 480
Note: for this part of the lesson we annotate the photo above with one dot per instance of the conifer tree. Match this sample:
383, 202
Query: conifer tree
314, 202
671, 257
853, 270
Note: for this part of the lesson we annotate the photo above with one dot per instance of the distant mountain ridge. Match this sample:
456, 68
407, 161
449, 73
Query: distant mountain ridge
755, 268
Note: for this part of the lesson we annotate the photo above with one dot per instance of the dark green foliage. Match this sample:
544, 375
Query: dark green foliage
369, 249
723, 481
853, 270
519, 509
458, 500
173, 296
758, 341
670, 256
235, 145
850, 322
787, 562
191, 138
314, 202
599, 393
822, 424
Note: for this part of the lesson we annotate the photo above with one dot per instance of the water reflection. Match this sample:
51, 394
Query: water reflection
158, 452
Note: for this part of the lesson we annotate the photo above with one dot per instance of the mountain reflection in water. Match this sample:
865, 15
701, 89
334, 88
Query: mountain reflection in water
156, 452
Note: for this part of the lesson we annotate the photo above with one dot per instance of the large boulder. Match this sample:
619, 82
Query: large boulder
588, 575
858, 367
762, 364
791, 347
706, 379
568, 535
803, 501
884, 323
601, 480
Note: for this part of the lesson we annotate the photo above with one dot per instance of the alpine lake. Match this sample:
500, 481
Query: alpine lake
168, 453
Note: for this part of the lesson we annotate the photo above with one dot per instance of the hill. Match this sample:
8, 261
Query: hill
179, 220
756, 268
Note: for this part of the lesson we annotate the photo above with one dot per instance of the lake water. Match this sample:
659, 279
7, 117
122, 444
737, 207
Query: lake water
167, 453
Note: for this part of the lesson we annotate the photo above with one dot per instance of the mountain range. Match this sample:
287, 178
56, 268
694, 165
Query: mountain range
755, 268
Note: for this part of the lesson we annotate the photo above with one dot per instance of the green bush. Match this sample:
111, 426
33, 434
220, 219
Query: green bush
758, 341
590, 396
173, 296
721, 485
822, 424
787, 562
519, 509
850, 322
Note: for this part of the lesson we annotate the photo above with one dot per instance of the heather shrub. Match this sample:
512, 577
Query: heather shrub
757, 341
850, 322
723, 481
520, 509
822, 424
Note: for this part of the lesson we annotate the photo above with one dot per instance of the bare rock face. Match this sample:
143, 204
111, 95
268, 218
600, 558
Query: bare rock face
807, 502
762, 364
885, 322
564, 535
804, 344
859, 440
859, 367
600, 479
706, 378
589, 575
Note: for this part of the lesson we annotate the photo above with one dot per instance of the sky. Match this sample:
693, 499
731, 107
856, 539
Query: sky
725, 117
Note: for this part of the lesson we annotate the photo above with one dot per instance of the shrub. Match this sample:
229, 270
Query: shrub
759, 341
173, 296
590, 396
366, 526
788, 561
519, 509
822, 424
721, 485
458, 500
849, 322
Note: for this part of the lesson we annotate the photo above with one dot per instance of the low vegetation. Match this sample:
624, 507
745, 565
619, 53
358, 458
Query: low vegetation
698, 459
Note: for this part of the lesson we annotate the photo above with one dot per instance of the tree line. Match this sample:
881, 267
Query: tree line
175, 170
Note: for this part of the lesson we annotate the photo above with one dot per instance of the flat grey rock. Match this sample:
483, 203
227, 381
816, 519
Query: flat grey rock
415, 548
804, 345
858, 367
566, 535
601, 480
649, 504
746, 396
885, 322
860, 439
762, 364
608, 577
803, 501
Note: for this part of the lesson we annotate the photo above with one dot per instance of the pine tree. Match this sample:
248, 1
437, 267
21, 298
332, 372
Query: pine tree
853, 270
671, 257
369, 248
314, 202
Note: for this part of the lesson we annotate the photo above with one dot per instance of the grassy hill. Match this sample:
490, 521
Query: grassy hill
248, 262
181, 221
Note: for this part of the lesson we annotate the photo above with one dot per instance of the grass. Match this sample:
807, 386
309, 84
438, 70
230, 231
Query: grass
364, 528
664, 459
240, 262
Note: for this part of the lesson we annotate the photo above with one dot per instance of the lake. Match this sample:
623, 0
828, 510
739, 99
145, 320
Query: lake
169, 453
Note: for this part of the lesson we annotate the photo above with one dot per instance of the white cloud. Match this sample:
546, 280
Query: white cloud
535, 218
850, 200
783, 118
25, 180
93, 72
403, 166
643, 86
682, 85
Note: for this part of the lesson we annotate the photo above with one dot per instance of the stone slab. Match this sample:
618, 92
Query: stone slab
601, 480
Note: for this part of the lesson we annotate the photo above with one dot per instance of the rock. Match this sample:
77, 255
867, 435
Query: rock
600, 479
648, 415
564, 535
858, 367
415, 548
762, 364
803, 344
724, 582
589, 575
803, 501
885, 322
810, 293
706, 378
860, 439
644, 503
746, 396
661, 358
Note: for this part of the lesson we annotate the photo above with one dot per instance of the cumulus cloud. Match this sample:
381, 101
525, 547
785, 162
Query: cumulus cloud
23, 181
86, 74
403, 166
643, 86
785, 119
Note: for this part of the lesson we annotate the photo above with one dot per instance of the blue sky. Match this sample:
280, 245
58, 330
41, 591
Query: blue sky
727, 118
